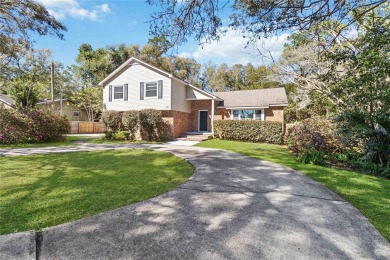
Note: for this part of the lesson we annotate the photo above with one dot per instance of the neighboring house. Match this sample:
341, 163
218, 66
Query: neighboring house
136, 85
6, 102
69, 109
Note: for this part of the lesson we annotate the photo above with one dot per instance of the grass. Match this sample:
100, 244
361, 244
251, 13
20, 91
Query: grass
102, 140
45, 190
68, 140
369, 194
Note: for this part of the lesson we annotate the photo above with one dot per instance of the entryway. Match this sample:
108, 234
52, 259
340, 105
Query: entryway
203, 117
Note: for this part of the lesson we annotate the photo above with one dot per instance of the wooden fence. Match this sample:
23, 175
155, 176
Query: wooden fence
79, 127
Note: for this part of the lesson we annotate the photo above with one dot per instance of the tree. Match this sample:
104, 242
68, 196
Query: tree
94, 65
201, 19
30, 80
364, 88
90, 100
18, 20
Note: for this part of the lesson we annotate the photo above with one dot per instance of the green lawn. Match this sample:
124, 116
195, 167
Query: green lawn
68, 140
45, 190
370, 194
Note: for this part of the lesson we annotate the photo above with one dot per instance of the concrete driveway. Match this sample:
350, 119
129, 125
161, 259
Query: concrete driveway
234, 207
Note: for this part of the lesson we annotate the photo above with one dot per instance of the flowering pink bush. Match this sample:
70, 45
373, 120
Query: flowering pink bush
31, 125
313, 139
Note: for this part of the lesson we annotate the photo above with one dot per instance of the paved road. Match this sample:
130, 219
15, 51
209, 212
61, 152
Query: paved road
234, 207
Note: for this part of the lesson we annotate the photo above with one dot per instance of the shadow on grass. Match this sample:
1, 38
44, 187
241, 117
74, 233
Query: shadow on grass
44, 190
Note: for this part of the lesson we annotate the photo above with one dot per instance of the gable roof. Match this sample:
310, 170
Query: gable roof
7, 100
162, 72
262, 98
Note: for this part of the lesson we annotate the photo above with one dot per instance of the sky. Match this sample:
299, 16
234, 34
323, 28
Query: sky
106, 22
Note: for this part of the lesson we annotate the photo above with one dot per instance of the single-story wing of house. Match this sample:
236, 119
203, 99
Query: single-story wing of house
137, 85
69, 109
6, 102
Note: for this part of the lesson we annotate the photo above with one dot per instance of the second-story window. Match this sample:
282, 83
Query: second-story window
151, 89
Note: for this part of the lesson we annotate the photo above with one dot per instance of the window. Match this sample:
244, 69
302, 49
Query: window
248, 114
118, 92
76, 113
151, 90
236, 114
258, 114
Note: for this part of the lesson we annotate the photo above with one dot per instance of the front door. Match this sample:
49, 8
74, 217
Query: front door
203, 121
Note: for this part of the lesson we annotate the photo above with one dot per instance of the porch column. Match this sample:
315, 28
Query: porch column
212, 115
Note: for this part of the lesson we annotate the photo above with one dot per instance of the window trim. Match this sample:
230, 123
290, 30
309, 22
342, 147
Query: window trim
254, 113
145, 90
123, 92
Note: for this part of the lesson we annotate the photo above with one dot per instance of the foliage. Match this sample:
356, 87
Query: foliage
149, 121
89, 178
112, 120
95, 64
364, 116
122, 135
31, 125
130, 121
20, 19
313, 140
237, 77
179, 20
28, 81
90, 100
249, 130
369, 194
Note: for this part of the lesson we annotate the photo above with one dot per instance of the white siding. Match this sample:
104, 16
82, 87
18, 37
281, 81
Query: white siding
179, 102
193, 94
133, 75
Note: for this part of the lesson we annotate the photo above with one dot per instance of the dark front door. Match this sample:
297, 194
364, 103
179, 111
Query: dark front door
203, 121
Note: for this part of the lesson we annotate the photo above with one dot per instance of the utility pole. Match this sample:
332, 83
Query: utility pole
52, 81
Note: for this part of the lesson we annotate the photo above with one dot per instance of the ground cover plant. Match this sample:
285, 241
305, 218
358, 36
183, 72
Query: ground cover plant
369, 194
45, 190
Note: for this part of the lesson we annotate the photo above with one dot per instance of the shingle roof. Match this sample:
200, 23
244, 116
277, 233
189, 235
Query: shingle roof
254, 97
7, 100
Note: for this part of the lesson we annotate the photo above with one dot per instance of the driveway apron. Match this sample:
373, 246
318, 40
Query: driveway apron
233, 207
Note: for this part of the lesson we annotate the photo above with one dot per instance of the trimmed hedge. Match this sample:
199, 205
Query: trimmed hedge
249, 130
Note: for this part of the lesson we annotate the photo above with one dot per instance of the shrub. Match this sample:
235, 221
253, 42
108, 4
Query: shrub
112, 120
130, 122
121, 135
315, 132
150, 120
313, 140
109, 135
253, 130
31, 125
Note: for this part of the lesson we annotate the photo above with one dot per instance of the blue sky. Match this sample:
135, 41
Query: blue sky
102, 23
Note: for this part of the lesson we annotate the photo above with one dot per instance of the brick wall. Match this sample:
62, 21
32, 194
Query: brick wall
181, 123
222, 114
274, 114
176, 122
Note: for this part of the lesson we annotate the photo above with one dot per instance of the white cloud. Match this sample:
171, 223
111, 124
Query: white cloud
231, 49
61, 8
105, 8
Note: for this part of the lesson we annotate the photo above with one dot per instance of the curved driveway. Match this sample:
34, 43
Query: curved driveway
234, 207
